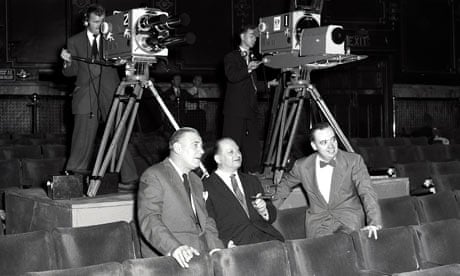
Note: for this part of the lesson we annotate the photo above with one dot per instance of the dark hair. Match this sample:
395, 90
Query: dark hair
96, 9
317, 126
247, 27
179, 133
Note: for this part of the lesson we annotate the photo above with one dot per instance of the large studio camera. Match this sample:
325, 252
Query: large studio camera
142, 35
296, 38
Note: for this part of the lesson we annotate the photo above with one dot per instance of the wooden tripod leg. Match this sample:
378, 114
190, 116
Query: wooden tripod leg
138, 92
95, 181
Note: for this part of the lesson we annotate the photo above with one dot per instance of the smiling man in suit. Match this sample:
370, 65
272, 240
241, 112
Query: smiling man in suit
234, 200
171, 208
337, 185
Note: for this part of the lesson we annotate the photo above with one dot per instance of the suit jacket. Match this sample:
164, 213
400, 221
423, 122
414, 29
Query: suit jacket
95, 85
173, 102
240, 96
231, 219
165, 216
352, 201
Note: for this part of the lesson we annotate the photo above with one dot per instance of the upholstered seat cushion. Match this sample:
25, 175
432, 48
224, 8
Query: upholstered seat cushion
112, 269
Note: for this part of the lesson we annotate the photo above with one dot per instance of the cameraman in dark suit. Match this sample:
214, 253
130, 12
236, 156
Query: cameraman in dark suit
95, 86
240, 105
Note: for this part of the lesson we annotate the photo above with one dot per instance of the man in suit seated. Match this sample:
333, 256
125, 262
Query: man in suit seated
234, 200
337, 185
171, 210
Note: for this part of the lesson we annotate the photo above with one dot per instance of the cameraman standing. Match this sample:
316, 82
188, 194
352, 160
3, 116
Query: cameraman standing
92, 97
240, 105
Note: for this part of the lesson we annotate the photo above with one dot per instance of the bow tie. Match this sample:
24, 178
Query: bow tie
323, 164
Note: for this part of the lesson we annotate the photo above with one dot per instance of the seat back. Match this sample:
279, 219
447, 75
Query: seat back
390, 141
54, 151
291, 223
403, 154
439, 206
32, 251
417, 172
450, 270
11, 172
312, 256
440, 241
447, 167
420, 140
399, 211
447, 182
363, 142
266, 258
199, 265
22, 151
35, 172
91, 245
394, 251
433, 153
112, 268
377, 158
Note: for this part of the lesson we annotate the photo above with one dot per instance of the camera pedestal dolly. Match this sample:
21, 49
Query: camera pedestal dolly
120, 123
284, 127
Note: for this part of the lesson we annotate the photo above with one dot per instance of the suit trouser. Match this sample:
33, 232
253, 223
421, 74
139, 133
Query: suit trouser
245, 132
82, 148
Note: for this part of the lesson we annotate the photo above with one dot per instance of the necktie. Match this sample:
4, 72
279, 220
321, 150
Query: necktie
323, 164
189, 194
94, 50
238, 194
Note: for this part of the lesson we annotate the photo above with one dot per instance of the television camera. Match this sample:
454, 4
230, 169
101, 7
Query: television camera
136, 38
142, 35
297, 43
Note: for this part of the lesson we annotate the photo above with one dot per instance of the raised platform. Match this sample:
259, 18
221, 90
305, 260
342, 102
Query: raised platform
31, 209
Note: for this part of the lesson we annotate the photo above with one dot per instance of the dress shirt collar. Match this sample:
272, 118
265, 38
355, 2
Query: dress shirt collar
176, 168
91, 37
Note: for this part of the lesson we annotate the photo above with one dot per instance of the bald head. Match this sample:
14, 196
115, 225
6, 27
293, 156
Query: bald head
227, 155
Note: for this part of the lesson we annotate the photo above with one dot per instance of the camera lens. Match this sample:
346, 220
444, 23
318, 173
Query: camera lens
338, 36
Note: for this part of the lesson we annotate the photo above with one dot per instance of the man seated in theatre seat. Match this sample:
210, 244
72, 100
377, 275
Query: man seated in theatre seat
337, 185
171, 209
234, 200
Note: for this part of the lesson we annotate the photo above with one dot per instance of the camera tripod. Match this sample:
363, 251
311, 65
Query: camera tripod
120, 123
283, 126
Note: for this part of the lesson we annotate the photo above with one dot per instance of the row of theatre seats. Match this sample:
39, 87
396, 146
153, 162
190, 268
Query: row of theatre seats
419, 233
32, 139
112, 249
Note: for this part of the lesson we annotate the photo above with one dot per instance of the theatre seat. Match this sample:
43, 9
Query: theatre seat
417, 172
390, 141
448, 167
399, 211
291, 223
54, 151
266, 258
440, 206
22, 151
377, 158
32, 251
445, 270
35, 172
394, 251
447, 182
434, 153
440, 241
328, 255
363, 142
403, 154
159, 266
115, 269
421, 140
10, 178
91, 245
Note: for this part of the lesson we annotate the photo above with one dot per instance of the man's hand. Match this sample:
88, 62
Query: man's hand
273, 83
231, 244
183, 254
66, 56
253, 65
372, 230
261, 206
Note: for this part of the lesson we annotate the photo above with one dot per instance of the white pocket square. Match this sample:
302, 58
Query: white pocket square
205, 195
